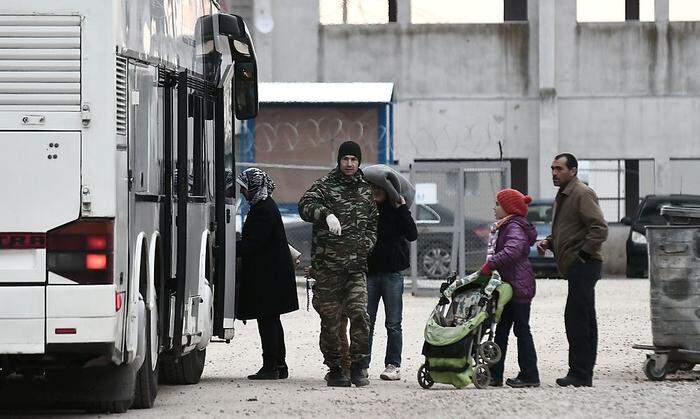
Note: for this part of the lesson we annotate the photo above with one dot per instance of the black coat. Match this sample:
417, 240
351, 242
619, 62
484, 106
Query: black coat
396, 229
267, 281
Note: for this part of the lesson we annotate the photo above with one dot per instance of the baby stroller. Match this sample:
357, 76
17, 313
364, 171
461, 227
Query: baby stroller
459, 346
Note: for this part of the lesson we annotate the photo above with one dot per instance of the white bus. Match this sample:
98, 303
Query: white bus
116, 233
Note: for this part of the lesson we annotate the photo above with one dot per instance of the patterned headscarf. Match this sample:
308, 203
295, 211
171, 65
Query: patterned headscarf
258, 183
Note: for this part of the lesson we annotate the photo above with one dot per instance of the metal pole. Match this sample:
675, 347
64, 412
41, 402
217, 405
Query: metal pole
462, 178
414, 244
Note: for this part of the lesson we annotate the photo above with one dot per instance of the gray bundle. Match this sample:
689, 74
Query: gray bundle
393, 182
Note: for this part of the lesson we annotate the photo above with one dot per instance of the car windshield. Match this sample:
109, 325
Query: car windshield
540, 213
651, 213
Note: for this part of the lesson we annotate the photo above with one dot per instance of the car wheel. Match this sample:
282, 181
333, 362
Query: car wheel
435, 260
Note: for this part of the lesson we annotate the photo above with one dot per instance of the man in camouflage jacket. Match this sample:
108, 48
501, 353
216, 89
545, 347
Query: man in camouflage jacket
344, 215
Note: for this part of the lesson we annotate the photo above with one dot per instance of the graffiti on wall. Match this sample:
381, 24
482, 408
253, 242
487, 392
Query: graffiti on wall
310, 136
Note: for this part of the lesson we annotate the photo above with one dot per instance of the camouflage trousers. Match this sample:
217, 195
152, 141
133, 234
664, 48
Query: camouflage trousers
339, 295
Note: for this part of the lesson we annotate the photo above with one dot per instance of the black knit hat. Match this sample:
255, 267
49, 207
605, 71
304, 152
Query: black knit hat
350, 148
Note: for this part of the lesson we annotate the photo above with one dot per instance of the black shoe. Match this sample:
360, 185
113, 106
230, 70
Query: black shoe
495, 383
265, 374
283, 371
518, 382
337, 378
358, 375
570, 380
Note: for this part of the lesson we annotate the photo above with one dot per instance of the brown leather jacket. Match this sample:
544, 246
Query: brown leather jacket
578, 225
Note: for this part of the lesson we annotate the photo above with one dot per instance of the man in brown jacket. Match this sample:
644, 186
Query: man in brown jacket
578, 231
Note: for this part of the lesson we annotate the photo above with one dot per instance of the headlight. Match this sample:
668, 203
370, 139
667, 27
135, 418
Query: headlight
638, 238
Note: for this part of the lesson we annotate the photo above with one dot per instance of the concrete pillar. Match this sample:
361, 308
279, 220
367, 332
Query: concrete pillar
294, 39
661, 11
547, 35
403, 13
549, 142
263, 38
549, 116
533, 13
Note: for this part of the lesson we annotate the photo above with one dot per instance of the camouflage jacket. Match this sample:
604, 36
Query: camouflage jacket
350, 200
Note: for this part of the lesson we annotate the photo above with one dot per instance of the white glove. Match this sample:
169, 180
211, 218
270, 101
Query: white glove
333, 224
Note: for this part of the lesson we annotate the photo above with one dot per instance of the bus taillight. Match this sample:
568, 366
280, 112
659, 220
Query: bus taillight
82, 251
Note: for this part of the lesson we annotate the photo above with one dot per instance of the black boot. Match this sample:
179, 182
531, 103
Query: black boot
519, 382
358, 375
283, 371
337, 378
571, 380
265, 374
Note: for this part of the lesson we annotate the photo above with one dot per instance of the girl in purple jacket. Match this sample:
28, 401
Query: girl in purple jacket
509, 245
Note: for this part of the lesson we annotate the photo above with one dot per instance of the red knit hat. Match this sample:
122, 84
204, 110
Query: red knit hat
513, 202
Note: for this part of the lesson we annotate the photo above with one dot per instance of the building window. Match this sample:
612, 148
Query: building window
614, 10
354, 12
616, 181
683, 10
456, 11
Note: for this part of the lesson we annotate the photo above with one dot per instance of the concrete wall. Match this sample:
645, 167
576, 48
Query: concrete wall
599, 90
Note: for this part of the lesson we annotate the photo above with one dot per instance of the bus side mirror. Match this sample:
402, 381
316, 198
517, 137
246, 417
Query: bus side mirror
245, 90
626, 221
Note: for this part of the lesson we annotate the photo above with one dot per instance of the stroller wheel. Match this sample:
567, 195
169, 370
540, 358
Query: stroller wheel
652, 371
424, 378
490, 352
482, 376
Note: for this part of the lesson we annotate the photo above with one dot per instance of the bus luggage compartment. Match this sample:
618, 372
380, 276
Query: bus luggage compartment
22, 319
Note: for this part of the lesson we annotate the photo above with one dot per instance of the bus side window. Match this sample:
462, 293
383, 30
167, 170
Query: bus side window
143, 135
209, 148
197, 147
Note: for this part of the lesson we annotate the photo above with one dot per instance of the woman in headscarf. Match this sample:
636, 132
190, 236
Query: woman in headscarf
267, 283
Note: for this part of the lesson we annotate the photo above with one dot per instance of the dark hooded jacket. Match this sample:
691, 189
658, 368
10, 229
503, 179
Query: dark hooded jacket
267, 282
510, 258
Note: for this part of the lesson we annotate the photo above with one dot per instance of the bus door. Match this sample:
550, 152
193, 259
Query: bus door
225, 245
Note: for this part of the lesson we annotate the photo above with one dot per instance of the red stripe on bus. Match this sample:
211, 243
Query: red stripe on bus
22, 240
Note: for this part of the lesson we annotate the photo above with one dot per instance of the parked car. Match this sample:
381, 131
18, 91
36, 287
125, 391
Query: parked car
649, 213
434, 248
540, 214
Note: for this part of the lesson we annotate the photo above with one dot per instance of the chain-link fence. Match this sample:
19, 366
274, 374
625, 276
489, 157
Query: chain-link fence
447, 242
453, 212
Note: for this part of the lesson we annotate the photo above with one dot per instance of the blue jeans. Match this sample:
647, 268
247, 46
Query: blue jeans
387, 287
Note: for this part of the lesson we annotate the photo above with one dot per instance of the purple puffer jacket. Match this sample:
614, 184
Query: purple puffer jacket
510, 257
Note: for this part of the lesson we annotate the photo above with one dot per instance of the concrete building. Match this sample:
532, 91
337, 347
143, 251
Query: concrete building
622, 90
623, 96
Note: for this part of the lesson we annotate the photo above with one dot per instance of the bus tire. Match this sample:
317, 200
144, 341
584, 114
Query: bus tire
120, 406
147, 377
185, 370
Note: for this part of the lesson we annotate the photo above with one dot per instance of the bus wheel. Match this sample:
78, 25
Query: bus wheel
186, 370
147, 377
108, 407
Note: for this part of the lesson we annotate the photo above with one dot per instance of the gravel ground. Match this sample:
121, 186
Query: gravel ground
620, 388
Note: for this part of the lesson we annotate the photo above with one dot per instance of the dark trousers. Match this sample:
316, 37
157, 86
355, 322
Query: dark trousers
517, 316
387, 287
580, 317
339, 295
272, 340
